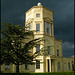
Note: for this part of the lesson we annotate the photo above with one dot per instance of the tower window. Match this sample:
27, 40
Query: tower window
57, 53
51, 28
37, 49
37, 64
26, 66
37, 15
37, 27
48, 29
44, 26
48, 49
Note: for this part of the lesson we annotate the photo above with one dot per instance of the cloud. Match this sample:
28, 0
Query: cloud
68, 49
68, 45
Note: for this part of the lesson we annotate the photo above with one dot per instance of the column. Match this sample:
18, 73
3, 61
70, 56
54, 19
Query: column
13, 67
50, 65
46, 66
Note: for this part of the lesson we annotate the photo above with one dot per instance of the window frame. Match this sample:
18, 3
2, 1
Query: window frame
57, 52
37, 24
44, 26
51, 28
48, 27
38, 15
7, 66
38, 49
38, 65
69, 65
48, 49
26, 66
58, 65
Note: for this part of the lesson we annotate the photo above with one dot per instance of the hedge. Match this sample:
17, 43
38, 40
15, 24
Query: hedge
47, 73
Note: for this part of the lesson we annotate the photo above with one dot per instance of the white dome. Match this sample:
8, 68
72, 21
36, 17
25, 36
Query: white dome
39, 4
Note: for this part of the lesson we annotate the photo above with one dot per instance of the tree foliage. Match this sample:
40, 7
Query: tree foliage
16, 45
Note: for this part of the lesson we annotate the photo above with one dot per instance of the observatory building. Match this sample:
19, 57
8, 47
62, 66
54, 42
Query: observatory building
40, 20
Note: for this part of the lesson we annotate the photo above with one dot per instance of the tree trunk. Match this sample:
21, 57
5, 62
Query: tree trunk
17, 68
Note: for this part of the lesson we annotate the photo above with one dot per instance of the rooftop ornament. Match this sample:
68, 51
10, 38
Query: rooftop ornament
39, 4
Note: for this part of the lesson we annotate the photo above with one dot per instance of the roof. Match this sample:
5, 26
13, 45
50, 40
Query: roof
38, 7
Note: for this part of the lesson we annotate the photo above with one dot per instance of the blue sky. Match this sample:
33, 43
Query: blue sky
14, 11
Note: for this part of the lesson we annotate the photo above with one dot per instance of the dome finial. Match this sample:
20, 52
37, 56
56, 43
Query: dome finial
39, 4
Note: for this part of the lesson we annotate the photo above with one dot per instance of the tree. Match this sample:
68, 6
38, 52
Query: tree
16, 45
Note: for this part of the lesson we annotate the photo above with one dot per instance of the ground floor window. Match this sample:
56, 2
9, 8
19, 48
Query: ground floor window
7, 66
58, 65
26, 66
37, 64
69, 66
57, 52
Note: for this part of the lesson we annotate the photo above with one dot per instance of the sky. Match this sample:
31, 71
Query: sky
13, 11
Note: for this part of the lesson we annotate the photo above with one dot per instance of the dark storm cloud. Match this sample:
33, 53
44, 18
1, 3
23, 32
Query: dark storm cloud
14, 11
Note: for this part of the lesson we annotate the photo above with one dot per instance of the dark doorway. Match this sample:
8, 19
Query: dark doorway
72, 67
48, 65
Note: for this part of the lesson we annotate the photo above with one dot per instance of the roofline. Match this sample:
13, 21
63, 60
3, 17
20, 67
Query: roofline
38, 7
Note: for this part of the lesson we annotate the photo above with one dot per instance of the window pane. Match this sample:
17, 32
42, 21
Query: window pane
51, 28
44, 26
48, 30
37, 49
37, 15
69, 66
37, 64
58, 65
37, 27
7, 67
57, 53
26, 66
48, 49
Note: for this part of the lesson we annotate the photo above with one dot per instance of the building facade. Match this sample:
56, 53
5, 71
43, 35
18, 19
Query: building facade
40, 20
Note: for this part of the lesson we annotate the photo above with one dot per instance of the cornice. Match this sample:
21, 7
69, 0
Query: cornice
38, 7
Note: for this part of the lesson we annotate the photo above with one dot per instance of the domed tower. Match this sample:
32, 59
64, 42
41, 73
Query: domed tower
40, 19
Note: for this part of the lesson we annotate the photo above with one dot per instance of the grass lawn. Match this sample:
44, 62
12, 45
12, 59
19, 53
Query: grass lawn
47, 73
